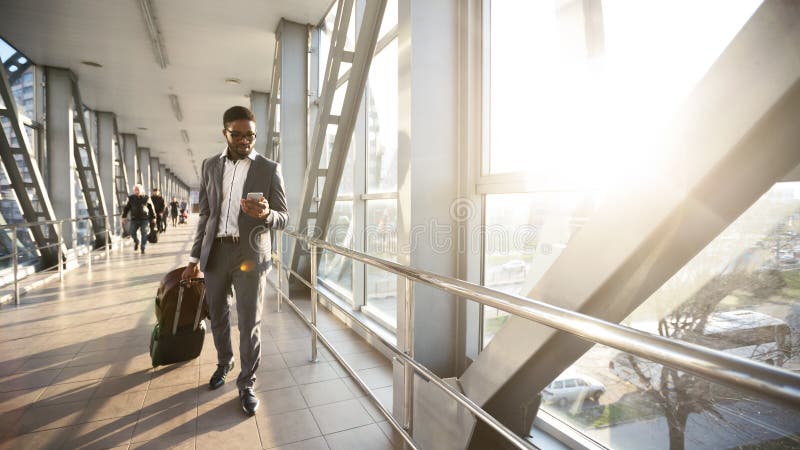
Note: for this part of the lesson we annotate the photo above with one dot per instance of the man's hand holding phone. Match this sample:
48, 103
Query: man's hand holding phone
255, 205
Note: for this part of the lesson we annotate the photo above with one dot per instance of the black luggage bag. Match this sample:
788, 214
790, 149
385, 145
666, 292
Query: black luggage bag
180, 310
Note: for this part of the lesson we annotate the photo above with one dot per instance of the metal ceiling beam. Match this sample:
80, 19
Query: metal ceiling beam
13, 61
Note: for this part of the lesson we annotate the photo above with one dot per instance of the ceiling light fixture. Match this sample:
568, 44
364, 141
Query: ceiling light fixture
176, 107
233, 80
91, 64
155, 33
142, 128
185, 136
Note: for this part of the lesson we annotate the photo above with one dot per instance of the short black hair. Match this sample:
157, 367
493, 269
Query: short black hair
237, 113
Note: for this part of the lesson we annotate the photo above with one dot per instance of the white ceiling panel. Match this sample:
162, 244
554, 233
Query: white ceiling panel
206, 42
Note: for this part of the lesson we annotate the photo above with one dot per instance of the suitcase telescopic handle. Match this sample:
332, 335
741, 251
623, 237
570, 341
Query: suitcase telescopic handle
177, 311
192, 281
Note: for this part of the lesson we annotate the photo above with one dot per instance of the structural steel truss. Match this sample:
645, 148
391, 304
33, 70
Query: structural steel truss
86, 165
120, 170
24, 176
319, 210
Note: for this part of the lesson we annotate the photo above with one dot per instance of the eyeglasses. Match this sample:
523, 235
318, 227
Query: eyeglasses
238, 136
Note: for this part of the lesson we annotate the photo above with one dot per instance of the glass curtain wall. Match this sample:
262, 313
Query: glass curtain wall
365, 214
25, 95
572, 101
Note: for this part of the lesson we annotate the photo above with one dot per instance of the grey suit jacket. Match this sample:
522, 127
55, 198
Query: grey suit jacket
255, 240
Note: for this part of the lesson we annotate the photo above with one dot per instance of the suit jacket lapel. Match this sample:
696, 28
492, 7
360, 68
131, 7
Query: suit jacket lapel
251, 177
219, 172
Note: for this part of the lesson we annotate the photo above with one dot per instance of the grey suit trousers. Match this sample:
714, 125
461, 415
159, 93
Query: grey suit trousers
224, 273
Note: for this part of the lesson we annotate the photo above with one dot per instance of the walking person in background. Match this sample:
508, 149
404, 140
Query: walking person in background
160, 207
142, 214
184, 212
173, 210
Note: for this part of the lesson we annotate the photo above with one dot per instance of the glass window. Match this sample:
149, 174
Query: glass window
524, 235
617, 82
335, 268
389, 18
8, 129
10, 213
326, 30
382, 106
22, 90
381, 241
741, 295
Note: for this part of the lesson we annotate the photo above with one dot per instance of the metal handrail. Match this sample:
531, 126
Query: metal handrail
15, 252
711, 364
53, 221
407, 357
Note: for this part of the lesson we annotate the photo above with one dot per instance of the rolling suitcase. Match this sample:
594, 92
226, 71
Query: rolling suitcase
180, 310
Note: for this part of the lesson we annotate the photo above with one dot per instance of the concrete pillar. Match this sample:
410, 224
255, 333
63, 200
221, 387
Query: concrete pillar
155, 180
106, 138
426, 196
293, 117
60, 145
428, 119
162, 177
167, 181
259, 104
143, 153
130, 150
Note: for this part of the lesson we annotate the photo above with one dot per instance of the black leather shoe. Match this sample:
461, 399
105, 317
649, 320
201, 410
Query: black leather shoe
249, 401
218, 379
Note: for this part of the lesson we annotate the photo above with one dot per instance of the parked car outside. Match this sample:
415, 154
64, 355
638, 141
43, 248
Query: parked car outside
572, 387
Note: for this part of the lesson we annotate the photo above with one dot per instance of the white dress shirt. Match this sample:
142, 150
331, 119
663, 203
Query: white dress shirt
233, 177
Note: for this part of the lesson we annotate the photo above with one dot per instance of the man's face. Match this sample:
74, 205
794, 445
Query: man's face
135, 191
241, 136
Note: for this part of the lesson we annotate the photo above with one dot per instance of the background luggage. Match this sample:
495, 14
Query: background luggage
152, 236
180, 310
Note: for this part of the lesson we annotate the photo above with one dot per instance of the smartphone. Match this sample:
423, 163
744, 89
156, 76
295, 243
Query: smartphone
255, 195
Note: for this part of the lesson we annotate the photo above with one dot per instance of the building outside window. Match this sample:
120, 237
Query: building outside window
575, 116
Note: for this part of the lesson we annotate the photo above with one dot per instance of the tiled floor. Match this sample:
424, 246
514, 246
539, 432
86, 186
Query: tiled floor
75, 372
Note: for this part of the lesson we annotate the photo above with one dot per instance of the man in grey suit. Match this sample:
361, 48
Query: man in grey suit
241, 198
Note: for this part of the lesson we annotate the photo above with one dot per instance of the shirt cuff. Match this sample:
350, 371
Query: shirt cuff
194, 260
268, 219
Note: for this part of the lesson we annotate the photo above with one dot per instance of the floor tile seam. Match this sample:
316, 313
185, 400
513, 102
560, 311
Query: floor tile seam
266, 414
296, 442
353, 428
90, 398
78, 421
12, 436
364, 410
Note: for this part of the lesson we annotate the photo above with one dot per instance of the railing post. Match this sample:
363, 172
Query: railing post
90, 244
14, 257
108, 237
313, 249
279, 265
60, 250
408, 372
